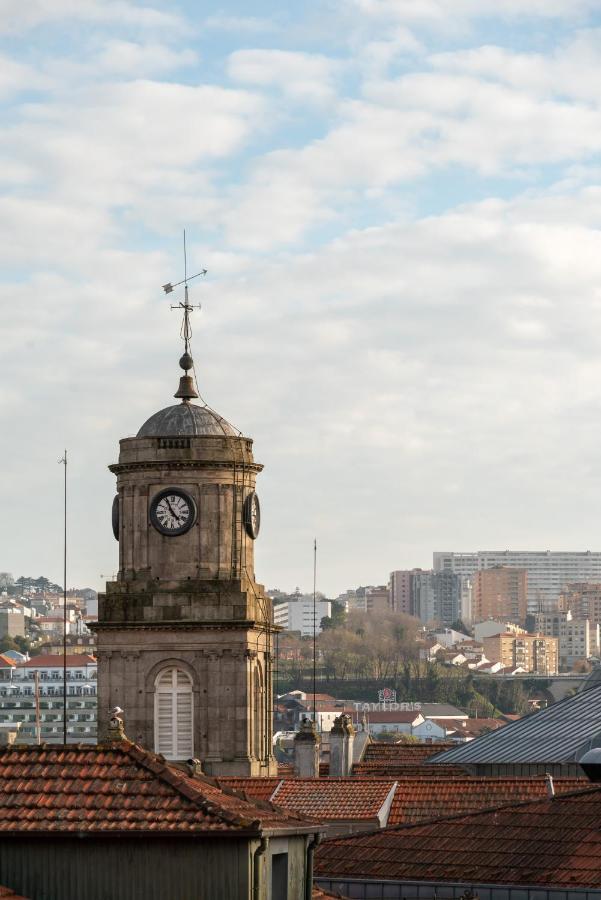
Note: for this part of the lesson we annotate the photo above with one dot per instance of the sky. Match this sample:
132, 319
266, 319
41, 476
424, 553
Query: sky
398, 203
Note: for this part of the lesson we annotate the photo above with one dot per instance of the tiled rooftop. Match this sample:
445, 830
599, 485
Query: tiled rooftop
420, 799
325, 799
405, 754
334, 798
548, 843
115, 788
257, 788
384, 769
55, 660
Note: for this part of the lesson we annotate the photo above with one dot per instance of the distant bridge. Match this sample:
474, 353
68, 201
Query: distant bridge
557, 685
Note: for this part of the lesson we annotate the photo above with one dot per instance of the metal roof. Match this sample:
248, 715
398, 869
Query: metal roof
560, 733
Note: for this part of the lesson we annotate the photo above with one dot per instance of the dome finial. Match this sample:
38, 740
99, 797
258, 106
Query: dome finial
187, 388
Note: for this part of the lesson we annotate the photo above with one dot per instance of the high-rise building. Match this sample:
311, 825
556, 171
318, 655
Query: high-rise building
400, 589
548, 571
500, 592
185, 633
436, 596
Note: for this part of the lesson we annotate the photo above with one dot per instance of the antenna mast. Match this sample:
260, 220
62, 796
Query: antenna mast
187, 390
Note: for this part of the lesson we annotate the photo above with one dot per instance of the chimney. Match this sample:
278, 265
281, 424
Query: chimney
194, 766
306, 750
8, 735
116, 731
550, 786
342, 737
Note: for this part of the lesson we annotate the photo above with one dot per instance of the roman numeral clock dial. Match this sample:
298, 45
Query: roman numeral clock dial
172, 512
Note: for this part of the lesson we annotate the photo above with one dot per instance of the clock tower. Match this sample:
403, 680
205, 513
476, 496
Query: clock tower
185, 633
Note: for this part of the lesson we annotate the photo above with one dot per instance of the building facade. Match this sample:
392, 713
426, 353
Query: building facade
583, 599
436, 596
500, 592
399, 586
42, 721
185, 633
548, 571
531, 652
300, 615
578, 640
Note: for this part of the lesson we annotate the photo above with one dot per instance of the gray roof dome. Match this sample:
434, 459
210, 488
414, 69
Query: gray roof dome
186, 419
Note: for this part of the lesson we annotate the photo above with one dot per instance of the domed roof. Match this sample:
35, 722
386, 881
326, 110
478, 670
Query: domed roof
186, 419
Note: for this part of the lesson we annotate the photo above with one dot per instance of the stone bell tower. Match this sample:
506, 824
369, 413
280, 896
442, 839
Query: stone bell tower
185, 633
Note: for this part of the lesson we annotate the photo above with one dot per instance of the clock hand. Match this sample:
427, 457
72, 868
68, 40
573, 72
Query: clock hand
173, 512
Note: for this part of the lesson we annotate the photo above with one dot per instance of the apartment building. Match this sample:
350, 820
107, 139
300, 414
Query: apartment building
299, 614
583, 599
436, 596
548, 571
377, 599
578, 640
535, 653
18, 699
399, 586
500, 592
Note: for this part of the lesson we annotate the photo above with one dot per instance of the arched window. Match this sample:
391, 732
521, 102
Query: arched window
173, 714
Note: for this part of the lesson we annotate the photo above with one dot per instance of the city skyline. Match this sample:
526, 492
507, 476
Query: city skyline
397, 205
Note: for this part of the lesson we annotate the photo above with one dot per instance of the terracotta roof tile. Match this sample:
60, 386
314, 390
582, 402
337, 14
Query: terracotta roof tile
318, 798
334, 798
548, 843
421, 799
55, 660
257, 788
113, 788
405, 754
384, 769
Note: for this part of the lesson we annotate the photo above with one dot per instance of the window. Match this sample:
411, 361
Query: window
173, 716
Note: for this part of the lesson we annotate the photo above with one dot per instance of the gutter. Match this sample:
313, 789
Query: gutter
309, 869
259, 852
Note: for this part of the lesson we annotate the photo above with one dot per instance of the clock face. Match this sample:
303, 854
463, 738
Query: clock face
172, 512
252, 515
115, 517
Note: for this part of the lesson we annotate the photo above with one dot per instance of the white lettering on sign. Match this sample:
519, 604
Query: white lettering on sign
388, 707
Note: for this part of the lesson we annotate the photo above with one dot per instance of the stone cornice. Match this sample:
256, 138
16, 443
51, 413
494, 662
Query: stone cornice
119, 468
243, 625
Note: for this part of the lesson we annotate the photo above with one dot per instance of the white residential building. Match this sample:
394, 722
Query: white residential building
18, 700
548, 570
299, 615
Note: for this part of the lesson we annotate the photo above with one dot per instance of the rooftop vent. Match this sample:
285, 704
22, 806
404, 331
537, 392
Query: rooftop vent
591, 764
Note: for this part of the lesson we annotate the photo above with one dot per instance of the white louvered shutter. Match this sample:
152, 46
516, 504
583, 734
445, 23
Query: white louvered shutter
173, 714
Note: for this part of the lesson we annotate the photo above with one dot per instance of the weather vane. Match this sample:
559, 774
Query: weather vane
187, 390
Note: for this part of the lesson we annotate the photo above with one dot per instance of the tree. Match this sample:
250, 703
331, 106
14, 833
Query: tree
459, 625
6, 581
338, 617
7, 643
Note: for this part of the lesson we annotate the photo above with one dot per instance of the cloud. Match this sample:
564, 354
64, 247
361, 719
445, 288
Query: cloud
17, 16
302, 76
139, 60
240, 24
92, 150
449, 13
